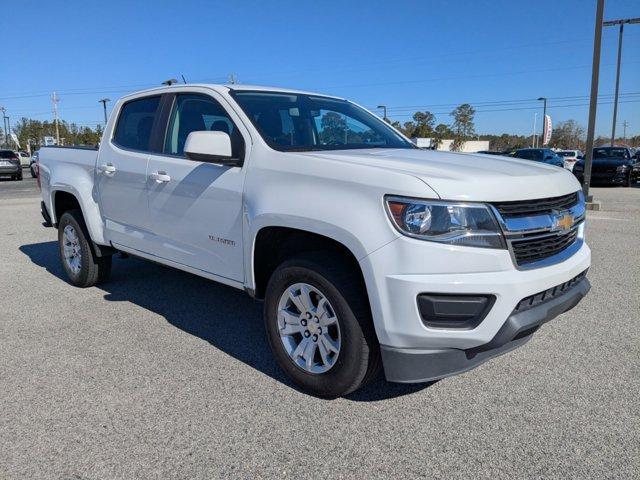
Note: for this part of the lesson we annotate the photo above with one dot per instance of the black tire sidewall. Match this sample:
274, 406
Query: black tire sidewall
74, 218
351, 365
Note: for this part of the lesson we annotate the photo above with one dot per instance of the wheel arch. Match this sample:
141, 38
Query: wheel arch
273, 244
66, 197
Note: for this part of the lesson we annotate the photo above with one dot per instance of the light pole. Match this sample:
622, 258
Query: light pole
611, 23
384, 110
544, 117
104, 106
593, 102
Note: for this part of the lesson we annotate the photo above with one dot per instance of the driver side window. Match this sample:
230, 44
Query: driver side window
195, 113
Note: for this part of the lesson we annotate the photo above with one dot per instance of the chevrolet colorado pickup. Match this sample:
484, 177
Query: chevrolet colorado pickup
368, 252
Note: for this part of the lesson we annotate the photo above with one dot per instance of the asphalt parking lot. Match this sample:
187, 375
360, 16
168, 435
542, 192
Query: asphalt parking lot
161, 374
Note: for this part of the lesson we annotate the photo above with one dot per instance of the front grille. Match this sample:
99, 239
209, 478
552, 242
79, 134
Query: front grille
539, 247
542, 206
548, 294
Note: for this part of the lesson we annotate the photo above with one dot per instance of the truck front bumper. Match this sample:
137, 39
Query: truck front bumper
406, 365
413, 350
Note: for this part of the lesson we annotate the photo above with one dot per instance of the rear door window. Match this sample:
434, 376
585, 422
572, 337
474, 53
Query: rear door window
133, 129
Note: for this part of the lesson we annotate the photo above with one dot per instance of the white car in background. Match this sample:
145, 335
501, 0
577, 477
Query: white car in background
25, 159
570, 157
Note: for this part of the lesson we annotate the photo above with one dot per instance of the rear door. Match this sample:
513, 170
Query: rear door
195, 208
122, 173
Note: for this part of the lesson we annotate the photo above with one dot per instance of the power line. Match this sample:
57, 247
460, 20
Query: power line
504, 102
500, 74
409, 115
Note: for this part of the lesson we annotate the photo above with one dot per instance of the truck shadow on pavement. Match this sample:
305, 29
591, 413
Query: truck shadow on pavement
223, 316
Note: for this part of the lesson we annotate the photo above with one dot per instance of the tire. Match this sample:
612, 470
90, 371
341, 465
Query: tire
358, 359
33, 174
19, 177
89, 269
627, 181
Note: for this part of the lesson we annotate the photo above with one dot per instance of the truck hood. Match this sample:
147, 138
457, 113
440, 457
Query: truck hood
466, 176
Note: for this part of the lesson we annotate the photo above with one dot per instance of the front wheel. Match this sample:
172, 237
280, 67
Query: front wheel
319, 325
82, 266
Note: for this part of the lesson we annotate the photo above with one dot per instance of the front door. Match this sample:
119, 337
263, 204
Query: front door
195, 208
122, 173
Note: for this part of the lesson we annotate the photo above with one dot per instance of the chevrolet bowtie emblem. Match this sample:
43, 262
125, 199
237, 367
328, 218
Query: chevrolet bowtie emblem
562, 221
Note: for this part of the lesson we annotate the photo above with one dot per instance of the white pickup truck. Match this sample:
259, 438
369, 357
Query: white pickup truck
368, 252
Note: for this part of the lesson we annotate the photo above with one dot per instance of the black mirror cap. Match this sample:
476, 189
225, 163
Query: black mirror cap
222, 160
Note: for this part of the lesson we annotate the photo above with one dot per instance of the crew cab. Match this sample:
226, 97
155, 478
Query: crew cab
367, 252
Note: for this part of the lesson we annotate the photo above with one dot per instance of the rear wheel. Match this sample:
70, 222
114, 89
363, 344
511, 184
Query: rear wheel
319, 325
82, 266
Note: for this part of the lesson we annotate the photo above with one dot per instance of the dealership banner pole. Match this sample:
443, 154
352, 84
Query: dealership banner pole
595, 70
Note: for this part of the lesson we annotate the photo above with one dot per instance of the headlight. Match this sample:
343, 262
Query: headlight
455, 223
622, 168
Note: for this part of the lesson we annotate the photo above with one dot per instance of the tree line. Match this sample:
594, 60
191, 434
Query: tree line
32, 132
566, 135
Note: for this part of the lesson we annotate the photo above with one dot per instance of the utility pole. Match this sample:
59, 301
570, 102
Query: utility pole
384, 112
611, 23
544, 117
232, 79
593, 103
4, 125
625, 124
104, 106
533, 134
54, 101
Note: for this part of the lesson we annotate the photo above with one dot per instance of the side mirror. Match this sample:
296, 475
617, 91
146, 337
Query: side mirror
212, 147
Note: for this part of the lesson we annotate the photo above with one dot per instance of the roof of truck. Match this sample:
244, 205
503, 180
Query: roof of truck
234, 86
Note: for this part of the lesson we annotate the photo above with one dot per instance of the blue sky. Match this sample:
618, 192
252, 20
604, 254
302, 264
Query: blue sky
426, 55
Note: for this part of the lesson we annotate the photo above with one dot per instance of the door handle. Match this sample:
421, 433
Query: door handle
160, 177
108, 169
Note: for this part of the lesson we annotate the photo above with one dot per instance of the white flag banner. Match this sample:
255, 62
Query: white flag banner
14, 137
547, 130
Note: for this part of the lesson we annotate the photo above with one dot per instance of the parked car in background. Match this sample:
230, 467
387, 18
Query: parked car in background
570, 157
611, 165
545, 155
24, 159
10, 165
33, 164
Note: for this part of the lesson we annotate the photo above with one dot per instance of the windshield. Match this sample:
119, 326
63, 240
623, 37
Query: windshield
617, 153
567, 154
296, 122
